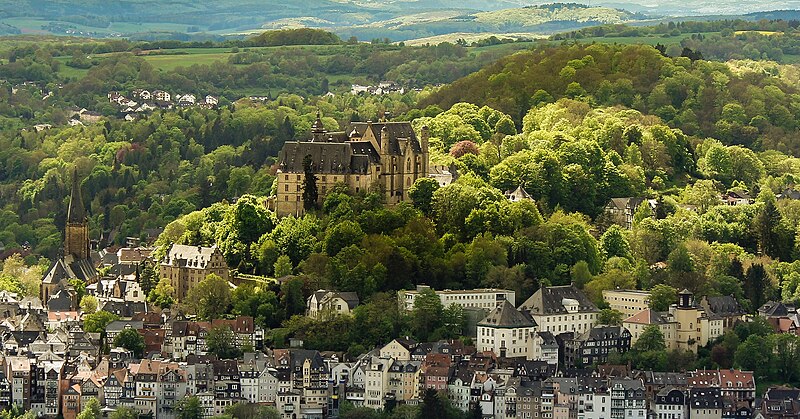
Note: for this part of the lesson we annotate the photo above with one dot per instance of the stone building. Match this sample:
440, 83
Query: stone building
367, 156
75, 263
507, 332
185, 266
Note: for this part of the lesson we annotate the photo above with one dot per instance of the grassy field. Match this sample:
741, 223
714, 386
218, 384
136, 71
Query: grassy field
66, 71
171, 62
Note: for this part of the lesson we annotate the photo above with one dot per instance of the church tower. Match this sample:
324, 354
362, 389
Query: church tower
76, 233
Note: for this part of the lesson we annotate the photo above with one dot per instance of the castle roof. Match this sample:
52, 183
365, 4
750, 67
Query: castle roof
189, 256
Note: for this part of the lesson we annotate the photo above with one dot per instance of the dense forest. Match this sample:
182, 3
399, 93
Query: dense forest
752, 104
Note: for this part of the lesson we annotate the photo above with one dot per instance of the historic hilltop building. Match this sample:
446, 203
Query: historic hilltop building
75, 263
368, 155
185, 266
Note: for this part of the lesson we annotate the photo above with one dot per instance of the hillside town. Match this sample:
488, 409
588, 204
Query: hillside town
549, 356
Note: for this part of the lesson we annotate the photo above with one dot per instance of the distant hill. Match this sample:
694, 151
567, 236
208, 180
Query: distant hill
365, 19
543, 19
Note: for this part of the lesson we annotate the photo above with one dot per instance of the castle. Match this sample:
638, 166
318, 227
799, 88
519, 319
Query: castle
366, 156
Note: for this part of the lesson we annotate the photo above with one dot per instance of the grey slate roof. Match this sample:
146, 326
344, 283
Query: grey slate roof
550, 300
507, 316
346, 152
725, 305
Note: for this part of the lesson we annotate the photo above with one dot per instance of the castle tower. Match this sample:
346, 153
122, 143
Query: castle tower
76, 233
318, 129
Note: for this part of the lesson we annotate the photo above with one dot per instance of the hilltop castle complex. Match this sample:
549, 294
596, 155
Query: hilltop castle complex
366, 156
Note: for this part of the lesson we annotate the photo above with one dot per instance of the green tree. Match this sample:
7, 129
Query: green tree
609, 317
189, 408
310, 194
283, 266
662, 296
148, 277
755, 283
421, 194
221, 341
682, 269
91, 410
163, 294
580, 274
427, 314
88, 304
252, 411
651, 339
614, 243
702, 194
131, 340
210, 298
786, 355
96, 322
754, 354
432, 405
292, 299
341, 235
123, 412
775, 238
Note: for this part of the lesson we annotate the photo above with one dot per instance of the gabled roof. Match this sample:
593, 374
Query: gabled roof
773, 309
507, 316
647, 316
552, 300
725, 305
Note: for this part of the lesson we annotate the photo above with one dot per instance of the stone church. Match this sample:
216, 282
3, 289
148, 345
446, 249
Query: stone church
366, 156
75, 263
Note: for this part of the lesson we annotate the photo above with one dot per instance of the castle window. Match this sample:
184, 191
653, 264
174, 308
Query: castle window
323, 178
287, 177
298, 178
286, 188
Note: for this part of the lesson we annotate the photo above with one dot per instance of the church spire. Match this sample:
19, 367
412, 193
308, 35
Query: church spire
76, 214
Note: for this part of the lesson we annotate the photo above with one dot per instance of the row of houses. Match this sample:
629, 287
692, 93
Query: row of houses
144, 101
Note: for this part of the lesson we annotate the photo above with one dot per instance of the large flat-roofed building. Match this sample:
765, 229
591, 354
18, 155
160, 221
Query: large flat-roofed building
627, 302
485, 298
366, 156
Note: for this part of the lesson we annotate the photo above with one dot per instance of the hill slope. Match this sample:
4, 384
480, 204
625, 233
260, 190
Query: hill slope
699, 97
